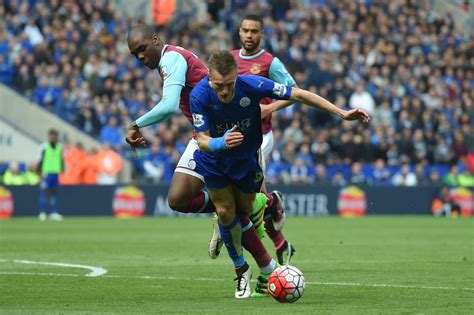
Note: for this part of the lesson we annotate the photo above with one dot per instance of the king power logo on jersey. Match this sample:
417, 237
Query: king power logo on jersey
241, 126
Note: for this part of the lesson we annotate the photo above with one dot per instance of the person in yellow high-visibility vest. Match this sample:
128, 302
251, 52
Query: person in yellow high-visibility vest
13, 176
50, 166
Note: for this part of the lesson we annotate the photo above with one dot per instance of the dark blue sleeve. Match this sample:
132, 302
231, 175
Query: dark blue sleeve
268, 88
200, 118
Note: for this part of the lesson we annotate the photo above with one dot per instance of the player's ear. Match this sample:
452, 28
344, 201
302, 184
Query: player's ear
155, 39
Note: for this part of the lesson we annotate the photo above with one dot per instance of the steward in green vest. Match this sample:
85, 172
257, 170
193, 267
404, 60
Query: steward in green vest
50, 166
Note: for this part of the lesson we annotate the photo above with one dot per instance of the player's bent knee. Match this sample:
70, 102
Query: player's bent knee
178, 202
226, 215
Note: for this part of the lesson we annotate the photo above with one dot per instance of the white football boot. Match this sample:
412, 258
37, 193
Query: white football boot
243, 290
43, 216
55, 216
215, 244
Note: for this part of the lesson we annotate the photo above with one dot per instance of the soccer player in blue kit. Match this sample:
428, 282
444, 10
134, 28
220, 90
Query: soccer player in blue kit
226, 116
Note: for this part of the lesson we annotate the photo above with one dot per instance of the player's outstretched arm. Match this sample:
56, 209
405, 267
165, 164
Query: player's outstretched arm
229, 140
268, 109
320, 103
166, 108
173, 68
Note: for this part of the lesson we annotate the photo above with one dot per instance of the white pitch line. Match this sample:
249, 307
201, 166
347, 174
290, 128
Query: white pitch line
95, 271
401, 286
49, 274
219, 280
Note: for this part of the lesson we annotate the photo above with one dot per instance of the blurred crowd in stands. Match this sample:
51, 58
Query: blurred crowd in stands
408, 66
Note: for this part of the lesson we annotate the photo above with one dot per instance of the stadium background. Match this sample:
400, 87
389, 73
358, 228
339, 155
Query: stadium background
66, 65
408, 63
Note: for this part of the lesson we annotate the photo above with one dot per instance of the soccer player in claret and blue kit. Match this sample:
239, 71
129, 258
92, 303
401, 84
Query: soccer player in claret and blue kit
227, 118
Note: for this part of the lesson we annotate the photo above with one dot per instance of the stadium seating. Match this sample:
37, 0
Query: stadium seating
410, 61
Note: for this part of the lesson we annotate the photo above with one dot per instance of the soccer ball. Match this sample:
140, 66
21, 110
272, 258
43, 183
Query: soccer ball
286, 284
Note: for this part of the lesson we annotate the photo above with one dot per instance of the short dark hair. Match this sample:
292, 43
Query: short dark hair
53, 131
223, 62
140, 31
252, 17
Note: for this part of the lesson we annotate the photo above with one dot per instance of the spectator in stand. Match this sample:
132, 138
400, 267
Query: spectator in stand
277, 169
383, 116
40, 94
13, 176
357, 176
110, 165
74, 164
24, 80
459, 147
466, 179
420, 174
300, 172
339, 180
433, 178
157, 164
112, 134
443, 154
362, 99
405, 177
91, 168
293, 133
451, 179
420, 146
31, 175
320, 149
320, 176
88, 122
380, 174
304, 154
7, 70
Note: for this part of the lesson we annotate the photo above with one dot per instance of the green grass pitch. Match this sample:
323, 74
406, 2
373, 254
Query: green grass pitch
371, 265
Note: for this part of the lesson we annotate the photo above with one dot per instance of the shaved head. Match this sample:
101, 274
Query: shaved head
139, 32
145, 44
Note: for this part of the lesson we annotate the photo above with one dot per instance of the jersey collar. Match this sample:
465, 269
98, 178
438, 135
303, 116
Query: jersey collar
249, 57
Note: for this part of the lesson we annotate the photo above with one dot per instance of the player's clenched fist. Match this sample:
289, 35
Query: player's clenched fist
233, 138
134, 138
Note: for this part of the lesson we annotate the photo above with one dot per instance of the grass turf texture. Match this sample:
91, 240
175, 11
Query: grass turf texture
382, 250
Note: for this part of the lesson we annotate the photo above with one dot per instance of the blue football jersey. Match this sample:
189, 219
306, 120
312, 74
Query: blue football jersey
210, 114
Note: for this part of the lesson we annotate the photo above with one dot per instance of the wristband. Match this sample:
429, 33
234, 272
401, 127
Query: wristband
218, 144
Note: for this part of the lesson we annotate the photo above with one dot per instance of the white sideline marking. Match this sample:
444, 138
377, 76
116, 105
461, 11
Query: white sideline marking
95, 271
50, 274
401, 286
219, 280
